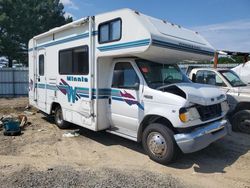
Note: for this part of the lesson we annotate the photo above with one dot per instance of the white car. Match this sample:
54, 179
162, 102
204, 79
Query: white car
238, 93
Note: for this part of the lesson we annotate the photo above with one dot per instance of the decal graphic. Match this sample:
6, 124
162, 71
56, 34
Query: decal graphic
130, 99
68, 90
75, 93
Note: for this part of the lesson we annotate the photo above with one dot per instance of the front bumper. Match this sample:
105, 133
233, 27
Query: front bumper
202, 137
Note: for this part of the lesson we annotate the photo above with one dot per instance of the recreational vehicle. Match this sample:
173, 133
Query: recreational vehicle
118, 72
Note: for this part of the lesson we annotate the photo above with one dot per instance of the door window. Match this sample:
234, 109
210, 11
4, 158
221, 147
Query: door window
41, 65
125, 76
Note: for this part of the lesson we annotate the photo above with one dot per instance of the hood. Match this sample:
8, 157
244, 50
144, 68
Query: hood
201, 94
244, 90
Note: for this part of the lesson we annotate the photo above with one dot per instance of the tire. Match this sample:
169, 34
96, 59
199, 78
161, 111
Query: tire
241, 121
59, 119
159, 143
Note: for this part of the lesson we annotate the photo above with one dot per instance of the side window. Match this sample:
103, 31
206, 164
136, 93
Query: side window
110, 31
41, 65
219, 81
74, 61
209, 77
200, 77
125, 76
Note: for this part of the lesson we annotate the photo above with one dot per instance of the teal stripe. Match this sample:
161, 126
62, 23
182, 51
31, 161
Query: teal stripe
51, 87
70, 39
84, 91
42, 86
132, 44
169, 45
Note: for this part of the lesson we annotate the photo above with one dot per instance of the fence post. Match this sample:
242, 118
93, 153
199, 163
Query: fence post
13, 83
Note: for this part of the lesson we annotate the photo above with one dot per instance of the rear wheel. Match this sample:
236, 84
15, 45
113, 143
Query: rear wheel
159, 143
59, 119
241, 121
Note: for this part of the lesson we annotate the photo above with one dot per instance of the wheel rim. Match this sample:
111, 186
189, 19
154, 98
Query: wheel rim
59, 117
244, 125
157, 144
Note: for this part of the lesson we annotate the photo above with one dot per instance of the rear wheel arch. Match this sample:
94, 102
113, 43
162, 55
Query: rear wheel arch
239, 107
149, 119
53, 107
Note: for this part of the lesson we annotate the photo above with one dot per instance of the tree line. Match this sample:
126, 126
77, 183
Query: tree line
20, 20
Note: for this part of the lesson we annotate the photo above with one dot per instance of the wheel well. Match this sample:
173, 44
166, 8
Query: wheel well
153, 119
54, 106
242, 106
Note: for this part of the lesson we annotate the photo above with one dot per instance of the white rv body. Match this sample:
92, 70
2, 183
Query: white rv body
90, 101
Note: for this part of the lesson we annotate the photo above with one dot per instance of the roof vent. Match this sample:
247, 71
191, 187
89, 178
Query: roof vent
164, 21
138, 13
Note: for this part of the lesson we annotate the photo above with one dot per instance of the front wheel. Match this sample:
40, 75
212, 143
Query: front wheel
241, 121
159, 143
59, 119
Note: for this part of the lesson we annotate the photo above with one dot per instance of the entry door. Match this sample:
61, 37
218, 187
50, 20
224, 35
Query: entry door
41, 80
125, 103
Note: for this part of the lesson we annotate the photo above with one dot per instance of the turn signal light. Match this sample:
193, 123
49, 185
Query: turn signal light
183, 117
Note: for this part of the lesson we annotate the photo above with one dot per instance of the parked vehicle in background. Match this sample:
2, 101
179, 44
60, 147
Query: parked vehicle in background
2, 66
238, 93
17, 65
118, 72
243, 71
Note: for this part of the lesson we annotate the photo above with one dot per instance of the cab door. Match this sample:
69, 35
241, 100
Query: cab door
41, 80
125, 101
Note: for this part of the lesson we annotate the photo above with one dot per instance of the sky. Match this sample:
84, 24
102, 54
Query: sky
224, 23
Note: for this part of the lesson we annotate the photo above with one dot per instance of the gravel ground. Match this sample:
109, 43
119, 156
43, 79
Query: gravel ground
69, 177
42, 157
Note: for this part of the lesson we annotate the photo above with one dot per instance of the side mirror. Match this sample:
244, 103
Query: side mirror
136, 86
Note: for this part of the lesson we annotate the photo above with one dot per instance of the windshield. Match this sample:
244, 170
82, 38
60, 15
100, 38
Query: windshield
157, 74
232, 78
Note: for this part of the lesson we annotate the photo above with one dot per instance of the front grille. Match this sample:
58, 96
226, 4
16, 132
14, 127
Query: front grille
209, 112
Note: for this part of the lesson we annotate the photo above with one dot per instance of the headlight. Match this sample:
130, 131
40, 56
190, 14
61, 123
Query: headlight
224, 106
188, 114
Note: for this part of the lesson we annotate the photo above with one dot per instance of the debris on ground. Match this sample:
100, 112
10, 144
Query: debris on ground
28, 112
23, 119
27, 107
71, 134
41, 130
11, 127
13, 124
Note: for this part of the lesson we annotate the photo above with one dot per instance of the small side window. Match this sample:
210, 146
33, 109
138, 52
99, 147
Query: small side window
41, 65
125, 77
110, 31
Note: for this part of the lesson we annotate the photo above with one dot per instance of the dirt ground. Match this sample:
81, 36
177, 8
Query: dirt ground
42, 157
